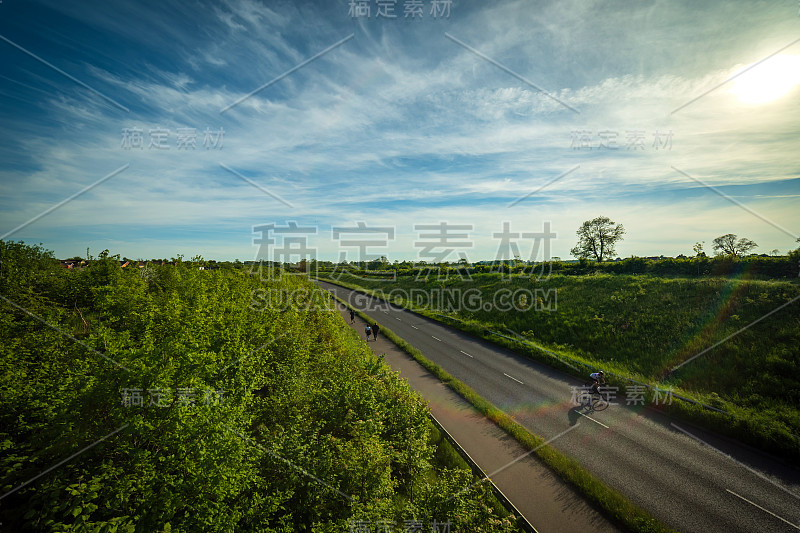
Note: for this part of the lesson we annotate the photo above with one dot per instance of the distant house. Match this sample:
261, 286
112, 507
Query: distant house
71, 264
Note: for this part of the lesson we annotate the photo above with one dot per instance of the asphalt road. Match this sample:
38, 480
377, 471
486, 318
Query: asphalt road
547, 502
657, 462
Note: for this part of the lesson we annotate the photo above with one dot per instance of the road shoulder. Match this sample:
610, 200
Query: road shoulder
545, 500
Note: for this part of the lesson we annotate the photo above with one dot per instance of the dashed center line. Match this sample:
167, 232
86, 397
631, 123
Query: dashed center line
592, 419
438, 339
512, 377
465, 353
765, 510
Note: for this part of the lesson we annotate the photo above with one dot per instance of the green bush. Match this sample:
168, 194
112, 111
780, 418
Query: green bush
267, 420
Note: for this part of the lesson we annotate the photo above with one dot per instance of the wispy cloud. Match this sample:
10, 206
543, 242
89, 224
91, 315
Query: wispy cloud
400, 123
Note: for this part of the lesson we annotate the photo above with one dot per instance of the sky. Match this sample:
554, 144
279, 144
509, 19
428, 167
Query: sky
240, 129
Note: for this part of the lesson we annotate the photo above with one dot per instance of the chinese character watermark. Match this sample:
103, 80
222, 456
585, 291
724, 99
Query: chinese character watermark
508, 251
387, 526
164, 397
159, 139
607, 140
275, 255
388, 9
445, 240
634, 395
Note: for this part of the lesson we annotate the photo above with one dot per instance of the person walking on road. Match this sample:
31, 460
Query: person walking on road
352, 316
367, 330
375, 330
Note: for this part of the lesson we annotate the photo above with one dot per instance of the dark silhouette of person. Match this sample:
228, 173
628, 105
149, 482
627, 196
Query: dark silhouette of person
352, 316
375, 329
368, 331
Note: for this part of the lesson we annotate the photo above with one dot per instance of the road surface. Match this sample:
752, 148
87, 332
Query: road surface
548, 503
690, 479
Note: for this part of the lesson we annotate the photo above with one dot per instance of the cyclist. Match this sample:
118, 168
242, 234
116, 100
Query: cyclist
597, 380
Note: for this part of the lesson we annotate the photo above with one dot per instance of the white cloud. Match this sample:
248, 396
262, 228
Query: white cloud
372, 131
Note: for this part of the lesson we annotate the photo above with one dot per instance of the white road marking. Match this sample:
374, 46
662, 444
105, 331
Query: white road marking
397, 319
765, 510
592, 419
415, 327
440, 340
465, 353
762, 476
515, 379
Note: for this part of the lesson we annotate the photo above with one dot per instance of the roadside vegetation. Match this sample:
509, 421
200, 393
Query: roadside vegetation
158, 400
642, 327
612, 504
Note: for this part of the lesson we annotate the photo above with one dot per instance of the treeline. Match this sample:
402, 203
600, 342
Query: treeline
160, 401
763, 267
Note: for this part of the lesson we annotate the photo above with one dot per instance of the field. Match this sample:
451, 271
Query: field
745, 334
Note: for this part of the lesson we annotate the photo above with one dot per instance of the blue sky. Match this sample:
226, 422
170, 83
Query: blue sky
397, 126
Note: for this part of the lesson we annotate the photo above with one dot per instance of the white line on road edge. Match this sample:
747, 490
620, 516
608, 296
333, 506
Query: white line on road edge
438, 339
475, 465
759, 474
521, 457
592, 419
465, 353
765, 510
515, 379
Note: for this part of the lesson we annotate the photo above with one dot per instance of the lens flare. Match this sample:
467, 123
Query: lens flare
769, 80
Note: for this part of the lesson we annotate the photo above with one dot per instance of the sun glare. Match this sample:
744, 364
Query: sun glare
769, 80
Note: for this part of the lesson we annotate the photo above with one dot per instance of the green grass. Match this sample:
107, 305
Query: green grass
608, 501
641, 327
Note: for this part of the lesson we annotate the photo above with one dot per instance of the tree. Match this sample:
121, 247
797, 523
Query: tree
597, 239
729, 245
698, 249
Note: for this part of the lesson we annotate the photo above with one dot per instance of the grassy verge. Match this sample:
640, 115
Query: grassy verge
763, 420
611, 503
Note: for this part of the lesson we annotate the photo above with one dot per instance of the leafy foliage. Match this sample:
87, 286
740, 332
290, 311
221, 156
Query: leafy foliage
597, 239
729, 245
268, 420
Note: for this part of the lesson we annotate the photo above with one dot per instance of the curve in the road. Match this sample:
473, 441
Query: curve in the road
715, 485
